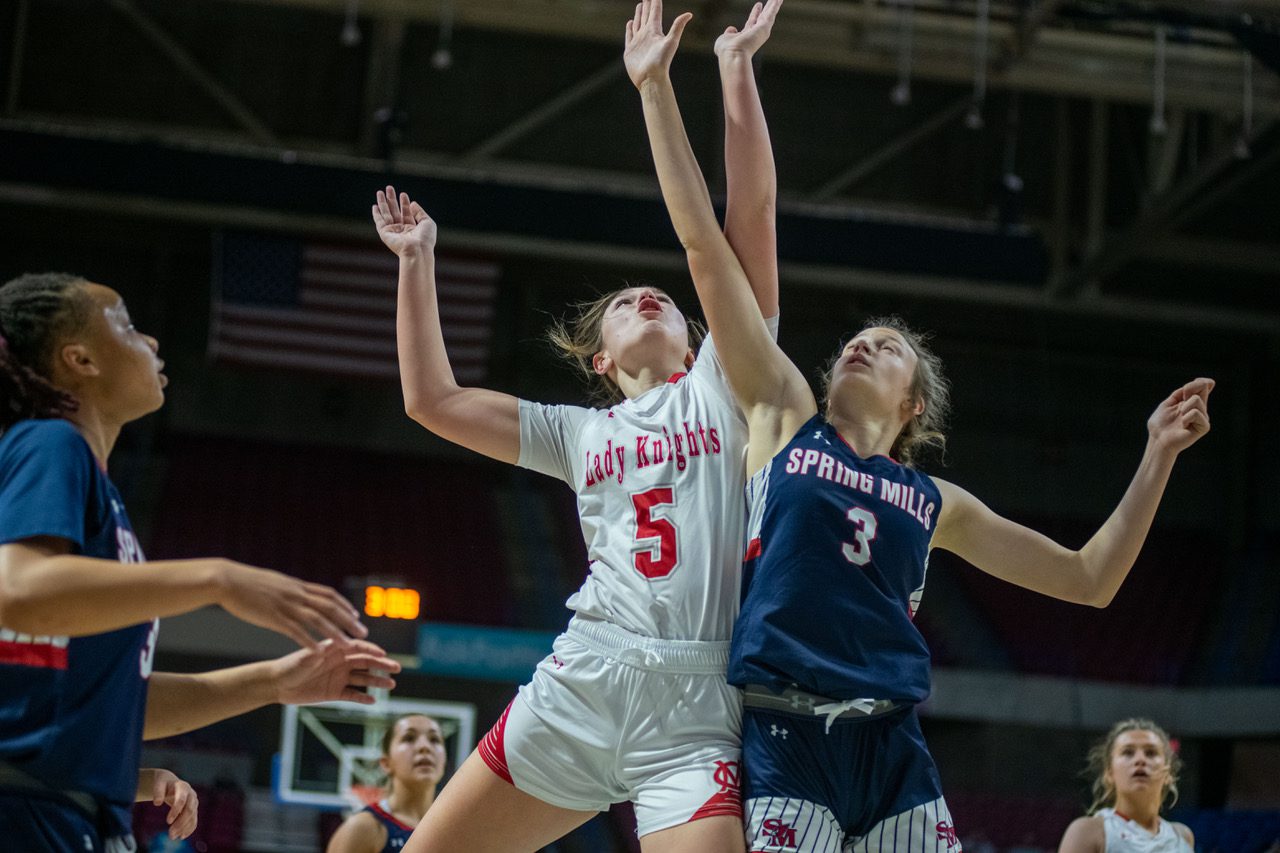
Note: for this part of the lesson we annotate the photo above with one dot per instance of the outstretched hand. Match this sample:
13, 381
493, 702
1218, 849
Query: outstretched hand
298, 609
1182, 418
648, 51
754, 32
403, 225
333, 671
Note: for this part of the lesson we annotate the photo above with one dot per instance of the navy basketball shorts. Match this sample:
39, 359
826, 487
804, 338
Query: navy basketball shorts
863, 784
36, 824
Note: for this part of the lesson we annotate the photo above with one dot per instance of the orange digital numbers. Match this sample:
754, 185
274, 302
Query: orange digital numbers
391, 602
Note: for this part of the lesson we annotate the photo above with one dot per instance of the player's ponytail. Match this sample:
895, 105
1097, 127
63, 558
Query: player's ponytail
36, 311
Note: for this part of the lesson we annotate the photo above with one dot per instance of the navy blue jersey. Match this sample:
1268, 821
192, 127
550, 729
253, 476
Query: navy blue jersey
71, 710
834, 572
398, 832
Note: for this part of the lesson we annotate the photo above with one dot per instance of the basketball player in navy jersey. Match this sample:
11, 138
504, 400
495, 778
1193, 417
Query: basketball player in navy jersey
413, 758
840, 529
79, 608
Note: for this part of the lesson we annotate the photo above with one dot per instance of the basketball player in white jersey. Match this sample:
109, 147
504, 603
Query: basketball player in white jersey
1135, 771
632, 704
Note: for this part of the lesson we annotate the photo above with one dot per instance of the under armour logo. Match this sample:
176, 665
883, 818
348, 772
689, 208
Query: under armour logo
818, 436
775, 731
798, 701
947, 833
559, 663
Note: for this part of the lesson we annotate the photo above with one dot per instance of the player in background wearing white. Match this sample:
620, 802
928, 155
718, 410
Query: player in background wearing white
79, 605
413, 759
632, 704
1135, 771
820, 607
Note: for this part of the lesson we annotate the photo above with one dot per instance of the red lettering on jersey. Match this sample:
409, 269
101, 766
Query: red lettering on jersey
947, 832
715, 440
642, 451
620, 452
691, 441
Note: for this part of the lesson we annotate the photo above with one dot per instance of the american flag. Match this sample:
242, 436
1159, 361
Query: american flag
331, 307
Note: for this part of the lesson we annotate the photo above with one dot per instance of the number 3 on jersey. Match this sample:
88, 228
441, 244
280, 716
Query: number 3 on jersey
654, 559
858, 551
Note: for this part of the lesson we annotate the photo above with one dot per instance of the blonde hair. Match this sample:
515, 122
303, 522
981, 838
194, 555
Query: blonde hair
1099, 761
928, 385
579, 337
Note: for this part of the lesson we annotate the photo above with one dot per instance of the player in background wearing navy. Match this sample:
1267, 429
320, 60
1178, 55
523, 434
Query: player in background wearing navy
659, 481
1135, 770
825, 649
413, 757
79, 608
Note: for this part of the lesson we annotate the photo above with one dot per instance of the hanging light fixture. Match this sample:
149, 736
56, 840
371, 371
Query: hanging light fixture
973, 120
900, 95
442, 58
351, 25
1246, 110
1158, 125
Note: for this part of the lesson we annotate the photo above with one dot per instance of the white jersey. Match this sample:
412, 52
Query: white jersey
1125, 836
660, 482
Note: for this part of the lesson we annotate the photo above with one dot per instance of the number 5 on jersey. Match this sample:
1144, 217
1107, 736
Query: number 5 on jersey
656, 554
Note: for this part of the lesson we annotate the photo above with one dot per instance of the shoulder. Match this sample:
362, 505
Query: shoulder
37, 448
55, 433
360, 833
1084, 835
1185, 833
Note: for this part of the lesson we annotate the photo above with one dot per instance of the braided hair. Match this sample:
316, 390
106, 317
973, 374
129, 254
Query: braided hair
37, 311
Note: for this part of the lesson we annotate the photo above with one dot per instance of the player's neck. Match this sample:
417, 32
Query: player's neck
411, 801
646, 379
99, 432
867, 436
1145, 814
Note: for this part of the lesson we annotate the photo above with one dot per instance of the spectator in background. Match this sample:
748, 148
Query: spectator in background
1135, 775
413, 758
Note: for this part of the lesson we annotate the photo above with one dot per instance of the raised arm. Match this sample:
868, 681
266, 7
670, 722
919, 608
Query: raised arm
759, 372
45, 590
1093, 574
750, 220
485, 421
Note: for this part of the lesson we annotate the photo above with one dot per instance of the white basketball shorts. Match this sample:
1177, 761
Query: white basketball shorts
612, 716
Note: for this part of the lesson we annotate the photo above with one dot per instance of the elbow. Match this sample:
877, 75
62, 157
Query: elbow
1097, 594
428, 411
1102, 598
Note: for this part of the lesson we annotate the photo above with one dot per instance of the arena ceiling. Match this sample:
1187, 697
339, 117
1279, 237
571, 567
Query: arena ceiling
1140, 138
